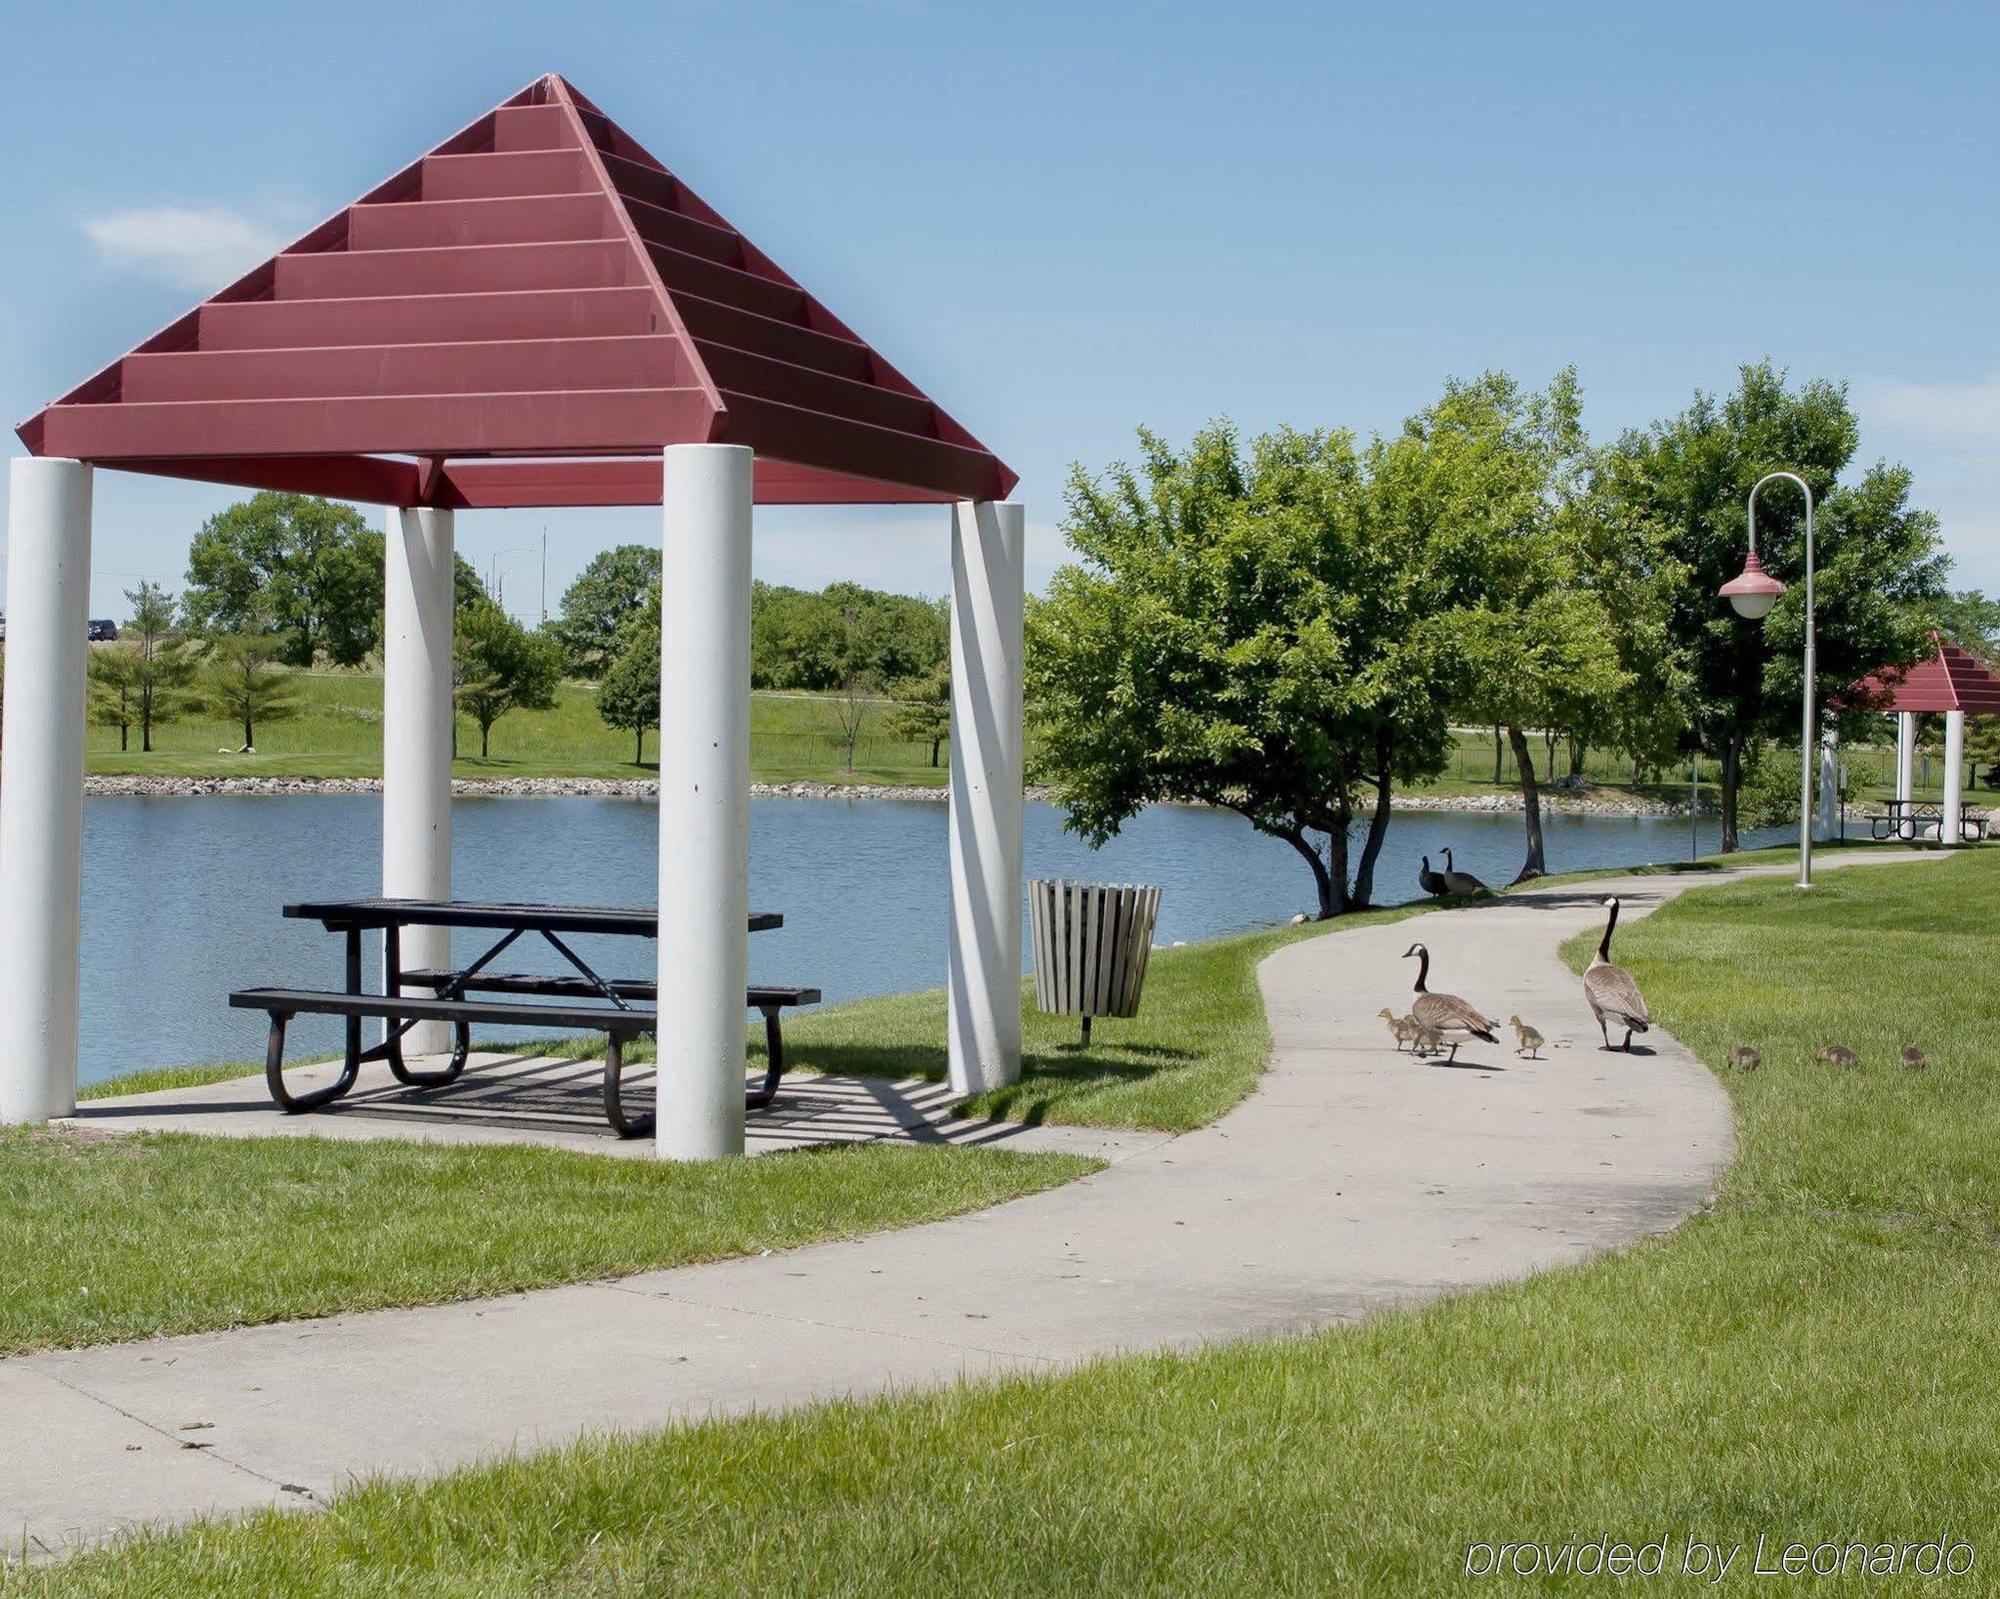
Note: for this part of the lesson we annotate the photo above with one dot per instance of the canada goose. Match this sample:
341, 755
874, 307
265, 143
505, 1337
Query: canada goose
1745, 1059
1613, 995
1445, 1015
1913, 1058
1402, 1027
1428, 880
1527, 1040
1463, 884
1838, 1055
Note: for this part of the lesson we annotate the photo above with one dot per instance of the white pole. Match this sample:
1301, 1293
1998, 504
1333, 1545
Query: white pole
984, 972
1906, 765
704, 798
41, 785
1954, 776
1829, 783
417, 626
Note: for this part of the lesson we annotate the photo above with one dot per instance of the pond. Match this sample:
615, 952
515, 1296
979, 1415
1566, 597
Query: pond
181, 896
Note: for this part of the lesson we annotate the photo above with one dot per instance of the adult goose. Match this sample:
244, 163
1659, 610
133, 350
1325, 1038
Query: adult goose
1446, 1016
1613, 995
1463, 884
1429, 881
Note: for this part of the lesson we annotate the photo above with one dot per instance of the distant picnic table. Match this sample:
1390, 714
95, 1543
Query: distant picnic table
1914, 819
588, 1001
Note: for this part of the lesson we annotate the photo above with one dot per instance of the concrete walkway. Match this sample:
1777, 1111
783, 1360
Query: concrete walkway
1355, 1179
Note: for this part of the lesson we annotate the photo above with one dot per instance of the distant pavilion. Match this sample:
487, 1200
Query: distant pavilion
1948, 681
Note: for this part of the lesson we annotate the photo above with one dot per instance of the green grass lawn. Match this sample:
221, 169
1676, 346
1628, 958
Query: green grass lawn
122, 1237
338, 733
1812, 1359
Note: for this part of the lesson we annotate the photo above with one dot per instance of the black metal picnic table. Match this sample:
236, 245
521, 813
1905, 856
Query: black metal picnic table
615, 1014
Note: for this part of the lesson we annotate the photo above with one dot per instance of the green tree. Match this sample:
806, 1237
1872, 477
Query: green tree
1880, 569
606, 595
294, 564
820, 641
1538, 649
1251, 633
499, 666
922, 712
629, 696
242, 681
114, 690
1969, 618
162, 665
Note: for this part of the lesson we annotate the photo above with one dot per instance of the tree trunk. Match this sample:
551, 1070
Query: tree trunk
124, 737
1336, 853
1577, 750
249, 734
639, 750
1549, 748
1732, 774
1531, 806
1371, 846
1496, 754
485, 738
936, 745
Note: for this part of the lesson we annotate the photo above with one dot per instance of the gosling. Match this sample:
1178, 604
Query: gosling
1430, 1040
1913, 1058
1527, 1041
1745, 1059
1838, 1055
1404, 1029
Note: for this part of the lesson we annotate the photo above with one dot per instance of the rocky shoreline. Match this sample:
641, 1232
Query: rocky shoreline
646, 788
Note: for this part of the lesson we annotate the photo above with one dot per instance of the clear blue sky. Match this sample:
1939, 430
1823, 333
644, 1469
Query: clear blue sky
1067, 219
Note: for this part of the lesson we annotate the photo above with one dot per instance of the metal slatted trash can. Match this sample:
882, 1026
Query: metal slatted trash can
1092, 942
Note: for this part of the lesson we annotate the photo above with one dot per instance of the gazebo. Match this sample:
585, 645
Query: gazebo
1948, 680
536, 313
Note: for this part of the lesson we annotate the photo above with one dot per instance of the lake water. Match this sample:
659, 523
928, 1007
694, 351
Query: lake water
181, 897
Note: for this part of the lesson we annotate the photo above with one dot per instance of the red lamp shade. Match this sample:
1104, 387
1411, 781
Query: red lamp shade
1754, 592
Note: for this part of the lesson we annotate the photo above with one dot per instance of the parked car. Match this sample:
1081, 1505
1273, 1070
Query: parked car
3, 629
102, 631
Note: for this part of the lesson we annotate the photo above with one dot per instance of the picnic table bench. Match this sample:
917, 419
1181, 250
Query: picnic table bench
618, 1013
1914, 819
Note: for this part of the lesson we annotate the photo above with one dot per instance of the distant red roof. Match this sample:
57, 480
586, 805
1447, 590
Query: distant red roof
1949, 680
539, 288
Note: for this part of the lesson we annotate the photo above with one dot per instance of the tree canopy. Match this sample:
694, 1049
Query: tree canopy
843, 634
1255, 632
292, 564
596, 608
1683, 486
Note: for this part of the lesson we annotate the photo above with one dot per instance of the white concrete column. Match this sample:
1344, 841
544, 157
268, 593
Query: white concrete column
1954, 775
704, 798
984, 972
1829, 783
417, 628
41, 785
1906, 761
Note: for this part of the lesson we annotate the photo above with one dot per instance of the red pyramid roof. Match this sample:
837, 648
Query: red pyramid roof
536, 287
1951, 679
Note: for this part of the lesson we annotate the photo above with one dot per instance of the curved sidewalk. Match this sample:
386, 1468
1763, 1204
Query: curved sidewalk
1355, 1178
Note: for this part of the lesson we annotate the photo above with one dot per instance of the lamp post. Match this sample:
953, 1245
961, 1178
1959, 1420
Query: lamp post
1752, 594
